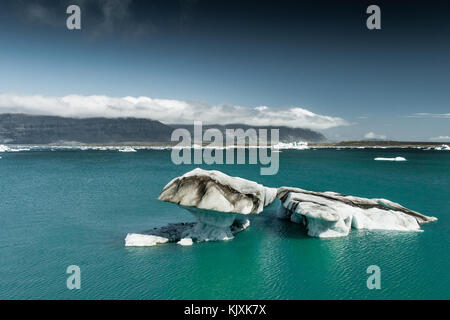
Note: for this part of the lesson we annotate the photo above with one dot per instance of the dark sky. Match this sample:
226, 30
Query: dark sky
316, 55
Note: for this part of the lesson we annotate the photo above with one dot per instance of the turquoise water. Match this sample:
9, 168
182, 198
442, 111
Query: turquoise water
76, 207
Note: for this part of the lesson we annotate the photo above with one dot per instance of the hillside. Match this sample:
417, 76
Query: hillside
30, 129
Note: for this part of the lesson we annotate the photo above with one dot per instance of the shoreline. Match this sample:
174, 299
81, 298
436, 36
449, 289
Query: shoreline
342, 144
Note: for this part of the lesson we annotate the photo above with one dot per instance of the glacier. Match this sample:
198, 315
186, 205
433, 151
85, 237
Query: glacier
222, 206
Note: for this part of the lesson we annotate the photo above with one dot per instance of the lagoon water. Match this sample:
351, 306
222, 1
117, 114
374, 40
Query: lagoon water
74, 207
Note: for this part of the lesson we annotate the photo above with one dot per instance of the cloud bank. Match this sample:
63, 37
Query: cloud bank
440, 138
165, 110
371, 135
429, 115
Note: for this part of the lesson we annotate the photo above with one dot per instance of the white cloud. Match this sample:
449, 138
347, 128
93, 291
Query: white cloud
440, 138
429, 115
371, 135
165, 110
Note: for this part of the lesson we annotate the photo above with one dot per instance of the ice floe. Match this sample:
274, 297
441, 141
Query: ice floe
390, 159
127, 149
185, 242
143, 240
444, 147
301, 145
4, 148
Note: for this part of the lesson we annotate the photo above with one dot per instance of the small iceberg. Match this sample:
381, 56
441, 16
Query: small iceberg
143, 240
185, 242
444, 147
127, 149
390, 159
4, 148
301, 145
219, 202
330, 214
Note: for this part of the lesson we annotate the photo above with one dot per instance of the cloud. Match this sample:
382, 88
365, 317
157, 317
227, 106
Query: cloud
429, 115
371, 135
99, 17
165, 110
440, 138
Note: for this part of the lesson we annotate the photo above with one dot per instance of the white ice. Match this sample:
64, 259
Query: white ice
143, 240
185, 242
301, 145
127, 149
390, 159
223, 193
327, 218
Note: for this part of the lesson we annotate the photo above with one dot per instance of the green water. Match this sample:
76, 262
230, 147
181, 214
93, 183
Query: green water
76, 207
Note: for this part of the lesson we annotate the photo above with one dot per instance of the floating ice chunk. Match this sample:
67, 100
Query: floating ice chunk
143, 240
3, 148
185, 242
330, 214
443, 147
377, 219
217, 201
221, 205
301, 145
390, 159
216, 191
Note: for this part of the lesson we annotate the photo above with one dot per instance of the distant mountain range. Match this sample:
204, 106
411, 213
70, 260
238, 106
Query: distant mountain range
31, 129
286, 134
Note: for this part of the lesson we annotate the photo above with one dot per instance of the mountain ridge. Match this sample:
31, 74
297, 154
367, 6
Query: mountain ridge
19, 128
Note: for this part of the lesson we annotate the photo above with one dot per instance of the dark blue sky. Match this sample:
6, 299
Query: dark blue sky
317, 55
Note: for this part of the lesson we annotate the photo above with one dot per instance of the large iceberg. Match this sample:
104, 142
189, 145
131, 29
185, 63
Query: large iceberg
222, 204
219, 203
330, 214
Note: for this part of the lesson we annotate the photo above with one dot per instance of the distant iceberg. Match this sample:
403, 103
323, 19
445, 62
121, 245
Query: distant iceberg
143, 240
4, 148
390, 159
127, 149
185, 242
301, 145
444, 147
222, 204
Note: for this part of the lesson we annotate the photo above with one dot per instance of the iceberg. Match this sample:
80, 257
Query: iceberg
390, 159
443, 147
216, 191
185, 242
185, 233
127, 149
331, 214
4, 148
222, 205
301, 145
219, 202
143, 240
